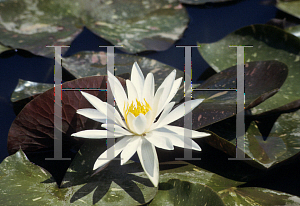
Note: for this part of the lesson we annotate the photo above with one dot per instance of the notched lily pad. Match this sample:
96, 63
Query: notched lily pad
115, 185
269, 43
32, 130
291, 7
279, 145
185, 184
85, 64
262, 80
282, 142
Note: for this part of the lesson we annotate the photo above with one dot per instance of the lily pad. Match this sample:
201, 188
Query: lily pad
278, 146
26, 183
291, 7
23, 182
32, 130
262, 80
26, 89
281, 144
198, 2
3, 48
185, 184
177, 192
135, 25
295, 30
138, 25
31, 25
269, 43
85, 64
115, 185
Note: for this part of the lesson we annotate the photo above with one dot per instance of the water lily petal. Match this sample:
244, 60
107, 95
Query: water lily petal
149, 120
118, 129
179, 112
130, 118
174, 90
130, 149
139, 124
148, 158
167, 85
180, 131
93, 114
159, 140
165, 112
137, 78
118, 91
148, 91
102, 108
117, 116
119, 121
157, 96
184, 142
178, 140
96, 102
105, 158
131, 91
96, 134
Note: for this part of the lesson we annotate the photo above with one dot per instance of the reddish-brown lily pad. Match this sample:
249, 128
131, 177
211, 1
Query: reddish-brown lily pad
33, 128
262, 80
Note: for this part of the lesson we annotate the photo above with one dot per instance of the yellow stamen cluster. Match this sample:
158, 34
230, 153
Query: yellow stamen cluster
136, 109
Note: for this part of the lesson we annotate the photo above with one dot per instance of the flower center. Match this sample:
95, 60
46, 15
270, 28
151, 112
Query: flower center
136, 108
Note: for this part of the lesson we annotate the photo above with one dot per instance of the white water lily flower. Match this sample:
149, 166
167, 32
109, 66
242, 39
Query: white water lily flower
138, 131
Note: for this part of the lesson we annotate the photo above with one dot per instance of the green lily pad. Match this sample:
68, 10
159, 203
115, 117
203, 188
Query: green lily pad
24, 183
85, 64
139, 25
4, 48
269, 43
262, 80
291, 7
33, 25
257, 196
115, 185
198, 2
135, 25
295, 30
281, 144
185, 184
26, 89
185, 193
